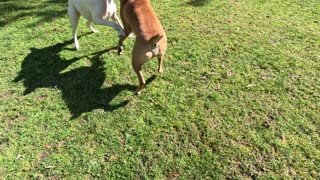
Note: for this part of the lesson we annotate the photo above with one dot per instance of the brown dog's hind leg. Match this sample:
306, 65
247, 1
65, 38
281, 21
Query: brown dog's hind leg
137, 69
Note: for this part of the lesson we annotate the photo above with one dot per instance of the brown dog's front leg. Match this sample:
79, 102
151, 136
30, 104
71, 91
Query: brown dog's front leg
137, 69
120, 42
127, 30
160, 59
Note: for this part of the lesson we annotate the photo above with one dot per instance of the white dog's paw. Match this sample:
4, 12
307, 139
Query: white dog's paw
131, 35
76, 45
95, 31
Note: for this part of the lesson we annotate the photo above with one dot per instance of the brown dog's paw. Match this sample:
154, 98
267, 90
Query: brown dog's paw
120, 50
138, 91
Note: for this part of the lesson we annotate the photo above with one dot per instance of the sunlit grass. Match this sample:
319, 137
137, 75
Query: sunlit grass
239, 97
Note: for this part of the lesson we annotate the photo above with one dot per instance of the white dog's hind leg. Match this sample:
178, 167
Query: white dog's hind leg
74, 16
117, 27
116, 20
89, 24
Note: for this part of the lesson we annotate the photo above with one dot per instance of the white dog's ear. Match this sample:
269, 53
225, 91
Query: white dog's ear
156, 38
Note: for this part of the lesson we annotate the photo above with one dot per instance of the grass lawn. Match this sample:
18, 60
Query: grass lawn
239, 97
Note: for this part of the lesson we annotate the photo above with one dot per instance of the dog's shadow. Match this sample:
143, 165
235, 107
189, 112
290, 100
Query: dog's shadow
82, 88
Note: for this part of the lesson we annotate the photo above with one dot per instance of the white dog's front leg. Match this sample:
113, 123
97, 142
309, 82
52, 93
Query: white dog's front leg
74, 16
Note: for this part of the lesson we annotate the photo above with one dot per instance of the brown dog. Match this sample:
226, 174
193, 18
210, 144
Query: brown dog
151, 40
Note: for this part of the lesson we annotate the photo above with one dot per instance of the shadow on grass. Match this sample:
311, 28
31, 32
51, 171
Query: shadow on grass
81, 88
46, 11
198, 2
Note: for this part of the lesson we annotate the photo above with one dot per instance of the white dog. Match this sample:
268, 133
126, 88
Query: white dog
96, 12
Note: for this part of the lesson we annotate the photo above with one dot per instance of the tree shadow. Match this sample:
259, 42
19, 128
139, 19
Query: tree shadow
198, 2
12, 11
81, 88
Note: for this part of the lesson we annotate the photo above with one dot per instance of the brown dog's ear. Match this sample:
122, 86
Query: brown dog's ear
156, 38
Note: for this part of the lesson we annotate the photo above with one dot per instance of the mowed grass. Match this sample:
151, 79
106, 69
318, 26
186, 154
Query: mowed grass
239, 97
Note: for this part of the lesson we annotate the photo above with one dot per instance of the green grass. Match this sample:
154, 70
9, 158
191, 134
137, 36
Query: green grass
239, 97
